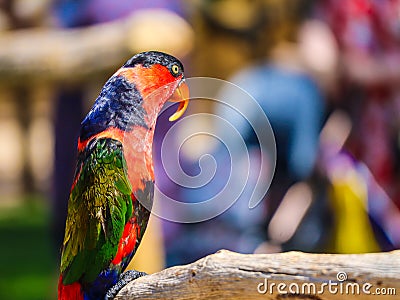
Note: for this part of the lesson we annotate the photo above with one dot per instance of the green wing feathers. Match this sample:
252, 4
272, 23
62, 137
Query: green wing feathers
99, 206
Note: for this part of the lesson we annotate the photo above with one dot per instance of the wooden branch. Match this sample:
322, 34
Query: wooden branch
228, 275
75, 54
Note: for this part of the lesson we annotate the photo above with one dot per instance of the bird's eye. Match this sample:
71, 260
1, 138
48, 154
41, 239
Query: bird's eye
175, 69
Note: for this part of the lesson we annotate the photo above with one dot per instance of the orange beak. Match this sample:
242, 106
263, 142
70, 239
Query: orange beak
180, 95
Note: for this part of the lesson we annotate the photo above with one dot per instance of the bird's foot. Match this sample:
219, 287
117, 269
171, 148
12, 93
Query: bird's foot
124, 279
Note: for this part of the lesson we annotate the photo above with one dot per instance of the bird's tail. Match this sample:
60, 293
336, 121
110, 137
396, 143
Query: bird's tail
69, 292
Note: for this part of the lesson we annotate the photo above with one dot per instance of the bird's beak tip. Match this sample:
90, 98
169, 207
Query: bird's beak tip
180, 95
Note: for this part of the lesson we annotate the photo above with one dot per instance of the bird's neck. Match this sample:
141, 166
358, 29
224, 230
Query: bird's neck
119, 106
120, 113
138, 146
127, 110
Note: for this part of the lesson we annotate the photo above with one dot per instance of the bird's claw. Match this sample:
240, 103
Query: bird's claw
124, 279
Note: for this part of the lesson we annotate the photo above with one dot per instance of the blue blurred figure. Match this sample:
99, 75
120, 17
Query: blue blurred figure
294, 106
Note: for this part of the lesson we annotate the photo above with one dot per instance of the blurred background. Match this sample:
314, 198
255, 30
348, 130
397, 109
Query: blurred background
326, 73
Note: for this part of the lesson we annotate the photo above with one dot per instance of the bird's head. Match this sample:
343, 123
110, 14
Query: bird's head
158, 77
135, 94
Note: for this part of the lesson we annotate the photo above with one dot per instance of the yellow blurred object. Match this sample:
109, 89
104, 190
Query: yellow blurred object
160, 30
353, 232
150, 257
236, 14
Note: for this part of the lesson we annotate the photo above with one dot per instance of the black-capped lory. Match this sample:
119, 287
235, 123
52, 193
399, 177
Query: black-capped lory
112, 191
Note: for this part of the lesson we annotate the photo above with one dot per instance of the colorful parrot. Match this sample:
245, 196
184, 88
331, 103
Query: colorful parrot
112, 191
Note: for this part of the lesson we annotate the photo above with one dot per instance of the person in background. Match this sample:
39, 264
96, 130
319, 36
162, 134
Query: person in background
368, 35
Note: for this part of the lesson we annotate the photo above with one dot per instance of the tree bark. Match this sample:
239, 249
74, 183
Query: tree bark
229, 275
